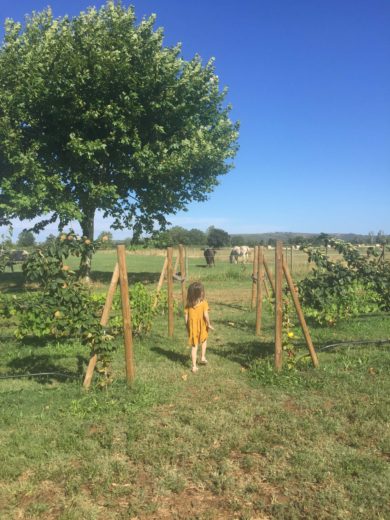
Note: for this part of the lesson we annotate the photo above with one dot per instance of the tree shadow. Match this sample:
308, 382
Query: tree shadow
176, 357
46, 369
12, 282
236, 306
104, 277
247, 326
244, 353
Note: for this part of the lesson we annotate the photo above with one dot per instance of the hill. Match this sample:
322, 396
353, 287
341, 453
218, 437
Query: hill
290, 237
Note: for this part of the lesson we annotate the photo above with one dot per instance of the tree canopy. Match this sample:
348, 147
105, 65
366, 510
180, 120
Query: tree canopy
96, 114
26, 239
218, 237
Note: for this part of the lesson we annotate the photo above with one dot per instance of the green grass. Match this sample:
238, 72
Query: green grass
235, 440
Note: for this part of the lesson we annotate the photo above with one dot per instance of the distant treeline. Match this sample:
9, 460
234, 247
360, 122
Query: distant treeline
303, 238
213, 237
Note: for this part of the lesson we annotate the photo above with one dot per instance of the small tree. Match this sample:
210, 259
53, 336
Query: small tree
26, 239
197, 237
218, 237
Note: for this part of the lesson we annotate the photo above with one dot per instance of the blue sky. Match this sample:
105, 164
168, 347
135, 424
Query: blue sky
309, 82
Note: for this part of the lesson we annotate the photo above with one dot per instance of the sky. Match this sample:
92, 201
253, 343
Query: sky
309, 82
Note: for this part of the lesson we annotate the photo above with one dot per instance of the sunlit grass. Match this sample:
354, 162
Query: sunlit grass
234, 441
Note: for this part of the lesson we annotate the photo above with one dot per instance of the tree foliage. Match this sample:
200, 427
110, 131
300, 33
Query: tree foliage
218, 237
343, 288
26, 239
96, 114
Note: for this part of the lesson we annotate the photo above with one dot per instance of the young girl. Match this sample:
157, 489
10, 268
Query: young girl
197, 319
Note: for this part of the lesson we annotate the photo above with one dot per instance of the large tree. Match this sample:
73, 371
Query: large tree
96, 114
217, 237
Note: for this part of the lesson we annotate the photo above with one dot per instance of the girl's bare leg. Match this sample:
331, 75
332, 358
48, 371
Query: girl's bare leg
194, 354
204, 347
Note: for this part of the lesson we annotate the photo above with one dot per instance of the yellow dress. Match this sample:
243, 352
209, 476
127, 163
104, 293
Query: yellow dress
196, 323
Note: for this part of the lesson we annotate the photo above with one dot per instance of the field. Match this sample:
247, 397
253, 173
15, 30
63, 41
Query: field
234, 441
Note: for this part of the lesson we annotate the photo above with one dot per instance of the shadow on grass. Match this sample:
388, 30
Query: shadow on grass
247, 326
45, 366
12, 282
176, 357
237, 306
244, 353
104, 277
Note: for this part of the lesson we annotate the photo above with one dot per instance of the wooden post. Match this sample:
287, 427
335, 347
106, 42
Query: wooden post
259, 299
266, 288
269, 275
291, 260
182, 274
176, 265
254, 276
301, 317
160, 282
162, 275
278, 303
103, 323
126, 313
170, 292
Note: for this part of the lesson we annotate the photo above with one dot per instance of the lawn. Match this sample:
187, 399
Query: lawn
233, 441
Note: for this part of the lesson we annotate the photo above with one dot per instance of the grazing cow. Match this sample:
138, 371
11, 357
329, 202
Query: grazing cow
209, 254
239, 251
16, 257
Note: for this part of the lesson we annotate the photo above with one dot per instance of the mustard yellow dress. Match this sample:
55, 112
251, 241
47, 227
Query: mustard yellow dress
196, 323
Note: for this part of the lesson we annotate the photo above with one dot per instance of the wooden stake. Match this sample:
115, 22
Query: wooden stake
266, 288
160, 282
103, 323
170, 292
182, 274
254, 276
260, 279
301, 317
176, 265
269, 275
126, 313
278, 303
162, 275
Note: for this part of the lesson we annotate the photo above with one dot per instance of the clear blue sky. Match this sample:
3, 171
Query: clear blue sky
309, 82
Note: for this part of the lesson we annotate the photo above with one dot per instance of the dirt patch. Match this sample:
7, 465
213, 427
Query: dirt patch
192, 503
292, 406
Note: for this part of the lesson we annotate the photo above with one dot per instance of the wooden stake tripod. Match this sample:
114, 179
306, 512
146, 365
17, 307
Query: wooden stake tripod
119, 275
281, 268
170, 272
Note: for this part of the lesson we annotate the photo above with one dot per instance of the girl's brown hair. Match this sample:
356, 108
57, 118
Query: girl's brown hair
195, 293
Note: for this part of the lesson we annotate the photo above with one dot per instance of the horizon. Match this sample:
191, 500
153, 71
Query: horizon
372, 235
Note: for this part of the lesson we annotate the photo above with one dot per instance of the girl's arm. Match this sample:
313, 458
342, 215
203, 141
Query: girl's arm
207, 320
186, 319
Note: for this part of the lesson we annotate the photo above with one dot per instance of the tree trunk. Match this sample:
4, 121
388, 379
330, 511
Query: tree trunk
87, 227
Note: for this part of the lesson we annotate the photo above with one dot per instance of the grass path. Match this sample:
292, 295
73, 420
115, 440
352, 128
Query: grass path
213, 445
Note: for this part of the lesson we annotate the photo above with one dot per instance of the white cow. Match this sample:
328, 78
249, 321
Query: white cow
239, 251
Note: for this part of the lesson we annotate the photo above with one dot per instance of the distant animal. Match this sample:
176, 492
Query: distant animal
209, 255
15, 257
237, 252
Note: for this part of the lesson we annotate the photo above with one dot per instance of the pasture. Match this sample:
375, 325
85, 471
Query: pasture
233, 441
